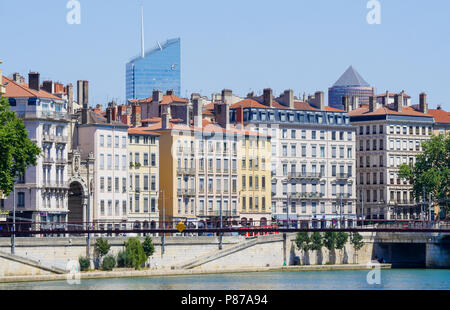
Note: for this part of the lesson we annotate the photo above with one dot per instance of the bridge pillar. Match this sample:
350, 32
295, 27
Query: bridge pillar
438, 255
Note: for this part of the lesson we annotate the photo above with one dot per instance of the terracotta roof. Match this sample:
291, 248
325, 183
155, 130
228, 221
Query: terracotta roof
391, 95
15, 90
298, 105
331, 109
141, 131
364, 111
440, 115
248, 103
167, 99
151, 120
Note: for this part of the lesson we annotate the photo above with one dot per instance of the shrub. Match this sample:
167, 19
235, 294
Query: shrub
109, 262
102, 247
85, 263
148, 246
122, 260
135, 253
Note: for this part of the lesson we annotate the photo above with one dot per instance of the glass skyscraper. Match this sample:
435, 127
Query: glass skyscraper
349, 84
159, 69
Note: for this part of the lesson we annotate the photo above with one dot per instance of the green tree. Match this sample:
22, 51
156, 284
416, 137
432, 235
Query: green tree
341, 240
101, 247
148, 246
135, 253
109, 262
316, 242
357, 241
17, 151
85, 263
431, 173
329, 241
303, 242
123, 261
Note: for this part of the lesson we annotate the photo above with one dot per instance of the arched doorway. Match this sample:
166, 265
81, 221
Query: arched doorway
76, 201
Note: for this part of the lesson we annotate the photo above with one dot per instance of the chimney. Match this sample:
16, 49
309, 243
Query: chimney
227, 95
165, 121
398, 102
157, 96
113, 111
194, 96
386, 99
268, 97
18, 78
125, 118
423, 105
289, 98
197, 106
240, 117
85, 94
69, 88
345, 103
355, 103
136, 117
109, 114
48, 86
223, 114
80, 92
373, 104
319, 102
169, 92
33, 81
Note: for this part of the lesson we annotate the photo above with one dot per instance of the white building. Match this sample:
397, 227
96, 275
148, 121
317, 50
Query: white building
41, 195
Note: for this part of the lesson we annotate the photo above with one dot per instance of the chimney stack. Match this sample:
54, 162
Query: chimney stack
48, 86
109, 114
345, 103
355, 103
386, 99
319, 101
165, 121
223, 114
197, 106
136, 116
268, 97
169, 92
398, 102
423, 105
157, 96
18, 78
289, 98
85, 94
227, 96
240, 117
195, 96
80, 92
69, 88
33, 81
373, 104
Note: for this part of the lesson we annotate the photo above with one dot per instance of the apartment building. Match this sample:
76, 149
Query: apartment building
41, 194
388, 135
312, 155
442, 121
107, 140
203, 169
143, 148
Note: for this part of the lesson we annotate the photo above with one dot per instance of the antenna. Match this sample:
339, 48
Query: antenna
142, 32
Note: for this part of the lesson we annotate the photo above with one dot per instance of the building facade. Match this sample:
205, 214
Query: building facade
2, 87
350, 84
41, 194
388, 136
312, 155
143, 148
160, 68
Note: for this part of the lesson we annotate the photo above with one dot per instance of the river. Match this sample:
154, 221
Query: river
408, 279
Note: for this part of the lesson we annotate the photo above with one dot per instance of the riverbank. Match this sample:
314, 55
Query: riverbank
162, 272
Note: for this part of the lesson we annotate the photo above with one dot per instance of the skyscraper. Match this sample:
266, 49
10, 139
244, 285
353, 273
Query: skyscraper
349, 84
158, 69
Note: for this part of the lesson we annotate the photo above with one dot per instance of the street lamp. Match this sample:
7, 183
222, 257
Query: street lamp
163, 239
13, 236
88, 162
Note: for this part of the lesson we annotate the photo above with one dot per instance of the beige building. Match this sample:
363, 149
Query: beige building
143, 148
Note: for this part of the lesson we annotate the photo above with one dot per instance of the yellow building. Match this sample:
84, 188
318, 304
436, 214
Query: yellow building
143, 148
255, 178
201, 173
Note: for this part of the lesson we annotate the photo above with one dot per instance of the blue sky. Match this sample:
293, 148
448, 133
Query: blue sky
242, 45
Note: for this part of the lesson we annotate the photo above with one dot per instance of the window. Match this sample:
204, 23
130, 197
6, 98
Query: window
102, 140
20, 200
109, 141
109, 184
102, 184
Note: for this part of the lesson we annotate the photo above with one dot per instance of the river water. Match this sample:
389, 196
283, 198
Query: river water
408, 279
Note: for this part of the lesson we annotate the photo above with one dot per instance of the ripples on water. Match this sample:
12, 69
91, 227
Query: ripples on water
289, 280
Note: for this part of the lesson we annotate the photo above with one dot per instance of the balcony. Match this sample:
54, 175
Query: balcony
307, 196
48, 138
402, 202
343, 176
46, 115
61, 161
55, 184
186, 171
304, 175
186, 192
48, 160
61, 139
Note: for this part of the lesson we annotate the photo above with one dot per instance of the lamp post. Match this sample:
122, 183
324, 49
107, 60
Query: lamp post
13, 236
88, 167
163, 238
221, 226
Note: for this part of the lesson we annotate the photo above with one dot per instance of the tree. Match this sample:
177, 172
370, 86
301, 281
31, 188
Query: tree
303, 241
102, 247
148, 246
135, 253
316, 243
329, 241
341, 240
431, 173
109, 262
17, 151
357, 241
